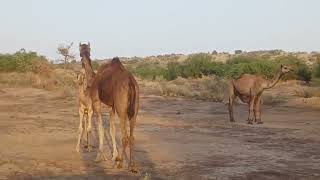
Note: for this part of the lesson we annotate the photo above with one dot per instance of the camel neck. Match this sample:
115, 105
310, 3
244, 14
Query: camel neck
86, 64
90, 75
275, 80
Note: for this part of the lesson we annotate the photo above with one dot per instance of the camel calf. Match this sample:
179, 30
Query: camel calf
85, 110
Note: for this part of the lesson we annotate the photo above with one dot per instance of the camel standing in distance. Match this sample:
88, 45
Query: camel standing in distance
249, 89
84, 104
114, 86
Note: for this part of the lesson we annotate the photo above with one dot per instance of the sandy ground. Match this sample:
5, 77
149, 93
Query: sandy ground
175, 138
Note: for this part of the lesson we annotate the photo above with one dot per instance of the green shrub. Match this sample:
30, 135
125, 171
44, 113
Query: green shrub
197, 65
194, 67
316, 70
250, 65
23, 61
267, 68
173, 71
95, 65
241, 60
304, 73
148, 71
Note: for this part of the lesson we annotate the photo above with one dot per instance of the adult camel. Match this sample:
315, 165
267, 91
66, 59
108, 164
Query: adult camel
249, 89
114, 86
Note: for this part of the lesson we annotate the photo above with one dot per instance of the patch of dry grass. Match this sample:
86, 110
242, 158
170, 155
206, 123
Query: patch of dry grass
147, 176
307, 92
60, 80
269, 99
206, 88
174, 90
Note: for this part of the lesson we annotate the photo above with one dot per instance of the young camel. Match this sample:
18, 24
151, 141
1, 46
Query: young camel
114, 86
249, 89
84, 104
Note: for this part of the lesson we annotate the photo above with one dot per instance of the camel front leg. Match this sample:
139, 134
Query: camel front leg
257, 112
113, 134
80, 131
231, 102
251, 110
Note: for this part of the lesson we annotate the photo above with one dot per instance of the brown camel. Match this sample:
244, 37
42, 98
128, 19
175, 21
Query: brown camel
114, 86
84, 104
249, 89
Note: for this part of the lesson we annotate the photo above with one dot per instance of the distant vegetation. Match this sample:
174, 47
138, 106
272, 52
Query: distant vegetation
201, 76
28, 69
95, 65
316, 70
193, 66
198, 65
23, 61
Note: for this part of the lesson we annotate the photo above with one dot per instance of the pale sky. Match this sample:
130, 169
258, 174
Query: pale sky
152, 27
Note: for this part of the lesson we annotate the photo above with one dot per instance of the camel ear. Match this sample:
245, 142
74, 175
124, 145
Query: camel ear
79, 44
89, 44
281, 66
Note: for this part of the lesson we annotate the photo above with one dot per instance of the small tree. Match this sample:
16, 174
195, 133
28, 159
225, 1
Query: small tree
238, 52
65, 51
304, 74
316, 69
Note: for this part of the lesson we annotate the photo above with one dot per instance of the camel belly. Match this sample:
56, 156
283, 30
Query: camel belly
244, 99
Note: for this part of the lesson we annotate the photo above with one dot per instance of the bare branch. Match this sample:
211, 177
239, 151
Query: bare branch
65, 51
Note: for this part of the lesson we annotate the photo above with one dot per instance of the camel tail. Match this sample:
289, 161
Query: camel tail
133, 99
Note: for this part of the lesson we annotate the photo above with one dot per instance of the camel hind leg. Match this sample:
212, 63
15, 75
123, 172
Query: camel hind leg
80, 131
251, 110
132, 164
113, 134
257, 110
231, 102
124, 138
121, 107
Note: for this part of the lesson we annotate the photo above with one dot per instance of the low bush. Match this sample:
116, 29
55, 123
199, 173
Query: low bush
95, 65
23, 61
195, 66
148, 71
208, 88
316, 70
306, 92
304, 73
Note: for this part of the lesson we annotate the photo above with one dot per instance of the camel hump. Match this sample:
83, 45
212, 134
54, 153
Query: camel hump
115, 60
117, 63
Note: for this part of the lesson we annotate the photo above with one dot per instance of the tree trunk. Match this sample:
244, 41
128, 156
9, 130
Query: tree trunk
65, 62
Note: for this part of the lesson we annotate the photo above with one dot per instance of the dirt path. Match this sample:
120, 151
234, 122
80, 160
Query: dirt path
176, 139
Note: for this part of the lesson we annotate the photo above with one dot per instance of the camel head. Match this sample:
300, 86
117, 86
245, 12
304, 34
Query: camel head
84, 50
85, 54
285, 69
86, 62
